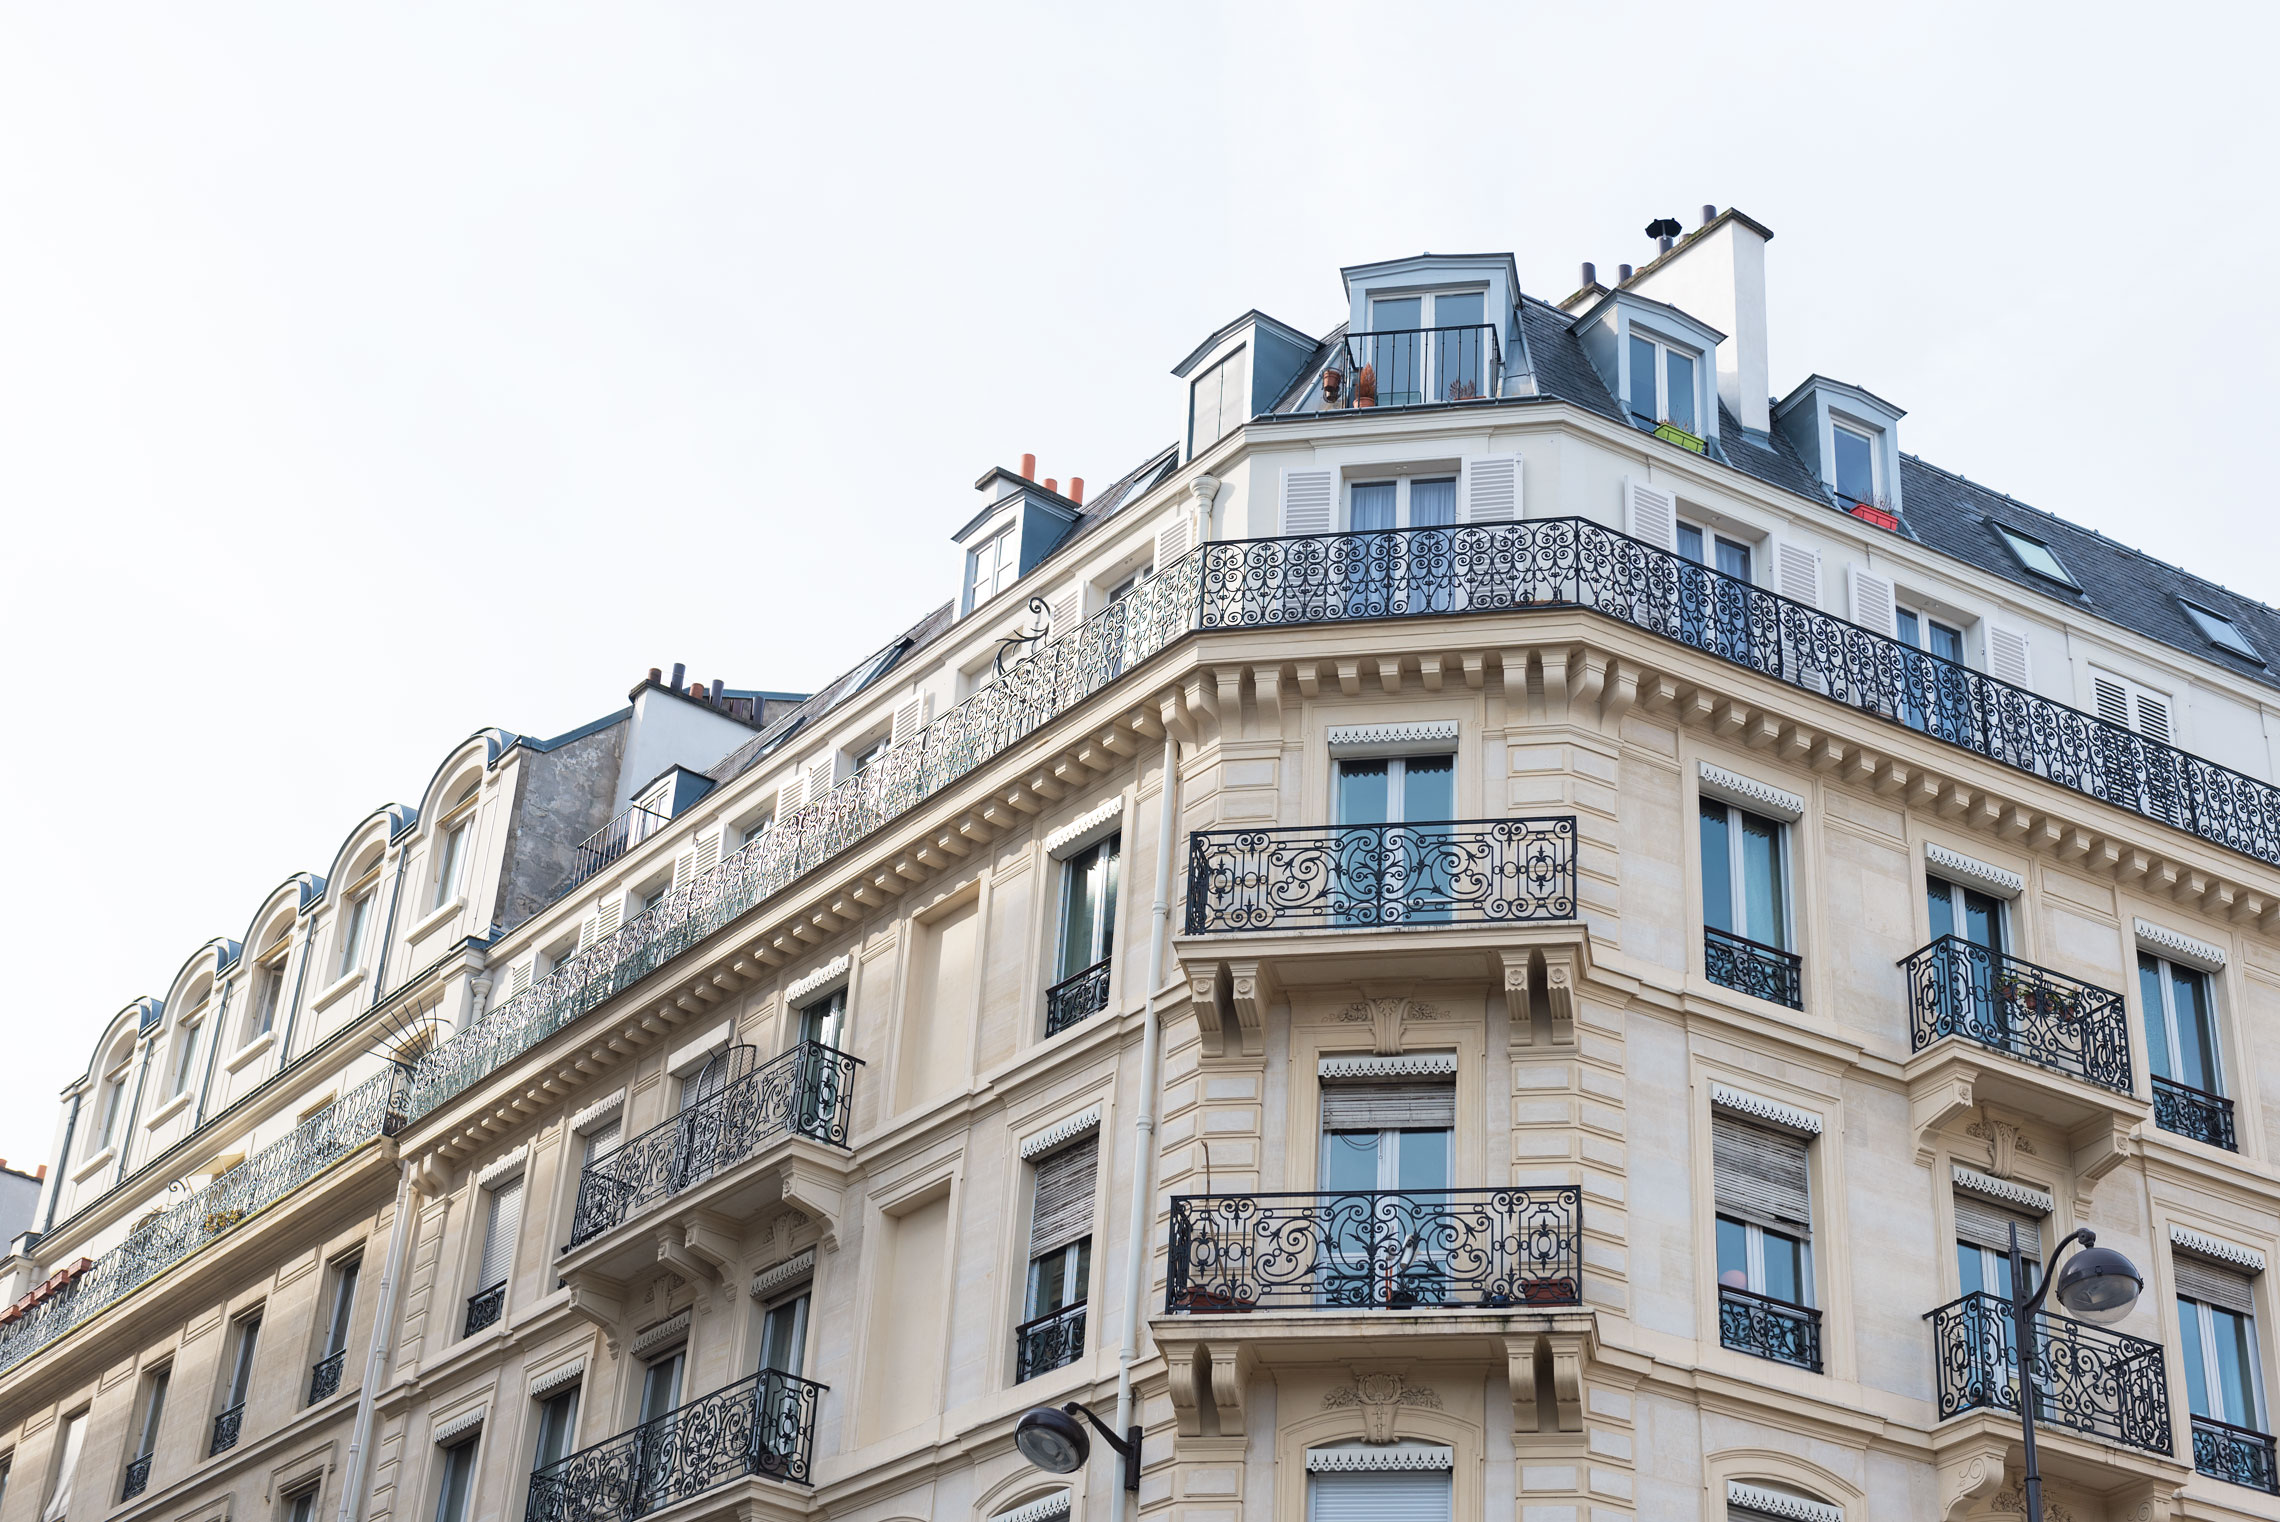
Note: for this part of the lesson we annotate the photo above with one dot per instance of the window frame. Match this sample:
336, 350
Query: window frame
2205, 1332
155, 1388
1737, 873
2215, 627
1712, 539
185, 1053
1004, 546
1105, 853
1402, 483
574, 1394
1216, 374
464, 1469
2167, 970
1753, 1260
2021, 543
1639, 333
1872, 439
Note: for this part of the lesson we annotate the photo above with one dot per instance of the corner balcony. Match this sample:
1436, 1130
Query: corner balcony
761, 1426
778, 1132
1409, 367
2086, 1379
610, 842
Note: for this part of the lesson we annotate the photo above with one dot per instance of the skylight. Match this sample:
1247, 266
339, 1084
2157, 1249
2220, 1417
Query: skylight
2221, 631
2035, 555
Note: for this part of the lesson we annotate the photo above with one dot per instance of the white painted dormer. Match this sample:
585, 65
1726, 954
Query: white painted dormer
1446, 328
1850, 438
1661, 364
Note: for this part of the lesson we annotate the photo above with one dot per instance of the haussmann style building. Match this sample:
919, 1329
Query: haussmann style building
1508, 929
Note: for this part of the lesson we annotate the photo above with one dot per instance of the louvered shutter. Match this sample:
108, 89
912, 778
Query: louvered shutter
1064, 1208
499, 1235
1983, 1223
1409, 1104
1761, 1175
603, 1140
2152, 714
791, 796
1171, 543
1401, 1495
1650, 515
909, 720
2228, 1289
1797, 572
1873, 607
708, 851
1066, 610
684, 868
2007, 655
518, 979
1492, 489
606, 919
819, 779
1309, 502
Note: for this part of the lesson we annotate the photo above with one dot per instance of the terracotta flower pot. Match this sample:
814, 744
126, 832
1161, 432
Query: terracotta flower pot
1331, 381
1365, 386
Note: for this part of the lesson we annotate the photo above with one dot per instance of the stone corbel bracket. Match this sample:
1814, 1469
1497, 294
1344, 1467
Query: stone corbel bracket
1548, 1361
1208, 1380
1561, 970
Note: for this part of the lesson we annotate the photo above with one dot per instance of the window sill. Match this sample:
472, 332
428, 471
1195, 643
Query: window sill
435, 921
95, 1165
167, 1111
247, 1054
333, 994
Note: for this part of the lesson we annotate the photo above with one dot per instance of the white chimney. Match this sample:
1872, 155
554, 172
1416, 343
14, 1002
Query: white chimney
1718, 275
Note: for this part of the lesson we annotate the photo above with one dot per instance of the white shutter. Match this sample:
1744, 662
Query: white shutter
1797, 572
2214, 1284
1400, 1495
1984, 1224
1873, 607
607, 916
791, 796
820, 777
1650, 515
1395, 1105
708, 850
2152, 715
684, 868
1761, 1174
499, 1235
2112, 695
1309, 502
1067, 611
1171, 543
2007, 655
909, 720
1063, 1212
1492, 489
518, 978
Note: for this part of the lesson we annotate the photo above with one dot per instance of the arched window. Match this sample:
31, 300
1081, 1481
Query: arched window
354, 921
456, 832
111, 1096
265, 994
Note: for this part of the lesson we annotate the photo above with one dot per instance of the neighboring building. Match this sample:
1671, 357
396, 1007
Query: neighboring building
1660, 885
19, 1199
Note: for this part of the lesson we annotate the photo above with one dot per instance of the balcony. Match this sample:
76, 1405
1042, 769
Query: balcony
227, 1425
2196, 1113
324, 1376
1076, 998
610, 842
1409, 367
137, 1478
764, 1425
806, 1092
2235, 1455
1379, 1250
1750, 967
1956, 988
483, 1308
2086, 1380
1450, 872
1051, 1341
1764, 1327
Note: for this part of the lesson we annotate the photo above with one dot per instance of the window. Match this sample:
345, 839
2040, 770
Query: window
230, 1421
1919, 631
1402, 503
1726, 556
1428, 348
268, 983
113, 1101
352, 927
1745, 904
557, 1428
1854, 455
1382, 1135
302, 1506
1933, 696
1125, 588
2035, 555
2216, 1320
1219, 401
2220, 631
146, 1434
1765, 1241
186, 1049
1983, 1246
1955, 910
825, 1021
661, 1383
1388, 875
1663, 388
878, 663
1088, 907
870, 753
458, 1482
1358, 1482
991, 567
754, 830
345, 1276
602, 1141
448, 854
1060, 1260
499, 1231
67, 1447
2182, 1052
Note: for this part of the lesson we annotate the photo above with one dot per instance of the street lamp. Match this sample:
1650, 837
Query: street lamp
1055, 1441
2099, 1286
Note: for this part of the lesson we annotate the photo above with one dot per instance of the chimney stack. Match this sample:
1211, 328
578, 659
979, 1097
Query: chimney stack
1052, 485
1029, 467
1709, 215
656, 676
1622, 273
1077, 490
1590, 275
42, 1174
1721, 280
680, 673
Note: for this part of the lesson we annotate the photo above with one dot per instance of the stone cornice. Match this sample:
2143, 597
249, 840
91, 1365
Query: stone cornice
1042, 1142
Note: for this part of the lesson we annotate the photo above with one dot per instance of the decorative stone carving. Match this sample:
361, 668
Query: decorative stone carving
1203, 997
1251, 990
2014, 1500
1379, 1396
1388, 1019
2004, 1142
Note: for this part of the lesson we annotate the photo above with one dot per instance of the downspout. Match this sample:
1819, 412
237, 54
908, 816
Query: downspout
300, 981
388, 932
1141, 1231
55, 1192
134, 1106
216, 1027
376, 1362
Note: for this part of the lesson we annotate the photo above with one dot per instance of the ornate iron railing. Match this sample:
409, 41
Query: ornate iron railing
1458, 871
324, 1376
1407, 367
610, 842
2236, 1455
371, 1109
1749, 1322
1497, 1249
807, 1091
764, 1424
1330, 578
1076, 998
1957, 988
227, 1425
1051, 1341
1750, 967
137, 1478
2086, 1378
2196, 1113
483, 1308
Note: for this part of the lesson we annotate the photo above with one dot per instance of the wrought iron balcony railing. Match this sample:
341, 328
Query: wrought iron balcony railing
1957, 988
483, 1308
227, 1425
371, 1109
1420, 1249
1749, 1322
1458, 871
137, 1478
807, 1091
324, 1376
1749, 967
1051, 1341
1076, 998
610, 842
1407, 367
764, 1424
2236, 1455
2186, 1111
1546, 563
2086, 1379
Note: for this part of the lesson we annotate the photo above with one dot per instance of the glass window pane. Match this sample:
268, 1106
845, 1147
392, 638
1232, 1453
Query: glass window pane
1734, 559
1421, 1160
1970, 1267
1372, 506
1944, 642
1349, 1160
1690, 543
2156, 1021
1678, 389
1982, 920
1765, 917
1643, 404
2235, 1337
1429, 788
1856, 470
1394, 313
1432, 504
1784, 1268
1457, 309
1717, 868
2196, 1029
1910, 635
2189, 1344
1733, 1254
1362, 792
1939, 898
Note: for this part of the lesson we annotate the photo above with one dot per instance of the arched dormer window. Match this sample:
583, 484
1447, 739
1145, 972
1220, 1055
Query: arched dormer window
111, 1096
353, 924
265, 993
182, 1061
455, 833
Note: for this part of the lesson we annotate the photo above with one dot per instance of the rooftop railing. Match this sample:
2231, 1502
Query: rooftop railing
1407, 367
610, 842
1391, 573
1958, 988
371, 1109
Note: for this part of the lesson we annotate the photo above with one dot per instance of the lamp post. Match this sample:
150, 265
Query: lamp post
2099, 1286
1055, 1441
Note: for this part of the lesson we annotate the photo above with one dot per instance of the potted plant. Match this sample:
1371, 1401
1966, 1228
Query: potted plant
222, 1220
1365, 386
1463, 391
1333, 379
1213, 1302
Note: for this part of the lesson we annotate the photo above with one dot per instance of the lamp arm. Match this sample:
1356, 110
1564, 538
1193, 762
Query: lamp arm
1122, 1445
2082, 1234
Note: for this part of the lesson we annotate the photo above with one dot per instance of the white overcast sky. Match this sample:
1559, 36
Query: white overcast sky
371, 374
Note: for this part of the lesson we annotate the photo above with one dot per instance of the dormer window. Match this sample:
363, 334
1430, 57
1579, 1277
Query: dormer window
1855, 460
2220, 631
991, 567
1428, 348
1662, 382
1219, 401
2035, 555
